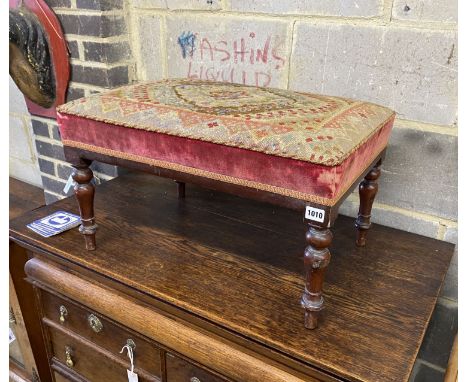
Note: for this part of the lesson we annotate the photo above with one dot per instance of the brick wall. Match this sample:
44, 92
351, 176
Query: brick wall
98, 41
402, 54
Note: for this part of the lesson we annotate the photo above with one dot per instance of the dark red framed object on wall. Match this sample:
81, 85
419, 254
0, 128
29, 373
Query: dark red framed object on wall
58, 51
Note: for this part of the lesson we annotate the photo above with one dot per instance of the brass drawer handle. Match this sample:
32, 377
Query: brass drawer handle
63, 313
68, 356
194, 379
95, 323
131, 343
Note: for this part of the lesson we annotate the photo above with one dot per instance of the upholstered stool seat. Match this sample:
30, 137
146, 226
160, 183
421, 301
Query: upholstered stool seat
277, 145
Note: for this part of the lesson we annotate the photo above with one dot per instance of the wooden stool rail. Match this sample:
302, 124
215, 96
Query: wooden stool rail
298, 150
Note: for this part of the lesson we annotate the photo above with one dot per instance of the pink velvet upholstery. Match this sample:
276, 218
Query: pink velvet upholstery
291, 177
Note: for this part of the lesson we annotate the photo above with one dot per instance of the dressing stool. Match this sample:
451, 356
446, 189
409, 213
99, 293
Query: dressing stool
303, 151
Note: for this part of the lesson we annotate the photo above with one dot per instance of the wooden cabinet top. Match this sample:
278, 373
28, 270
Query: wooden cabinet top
23, 197
234, 266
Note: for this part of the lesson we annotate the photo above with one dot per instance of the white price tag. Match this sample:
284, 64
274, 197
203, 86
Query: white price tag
11, 336
132, 377
70, 183
315, 214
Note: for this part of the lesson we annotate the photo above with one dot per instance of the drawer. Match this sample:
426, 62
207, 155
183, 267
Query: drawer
69, 378
90, 362
60, 378
179, 370
109, 336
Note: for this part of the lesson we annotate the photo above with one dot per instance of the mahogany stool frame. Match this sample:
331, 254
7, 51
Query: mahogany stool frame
318, 235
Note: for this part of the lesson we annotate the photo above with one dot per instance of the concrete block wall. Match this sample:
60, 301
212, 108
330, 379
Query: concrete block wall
402, 54
398, 53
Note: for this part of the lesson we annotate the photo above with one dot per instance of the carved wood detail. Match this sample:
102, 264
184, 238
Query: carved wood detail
84, 192
367, 191
316, 259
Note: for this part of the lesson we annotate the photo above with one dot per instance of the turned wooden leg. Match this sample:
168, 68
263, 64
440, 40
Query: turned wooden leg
367, 190
180, 189
84, 192
316, 259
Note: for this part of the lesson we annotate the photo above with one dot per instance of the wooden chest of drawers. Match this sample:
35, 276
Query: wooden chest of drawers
81, 339
27, 358
84, 345
206, 292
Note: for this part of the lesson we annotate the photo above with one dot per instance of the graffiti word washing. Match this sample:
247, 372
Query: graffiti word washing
248, 60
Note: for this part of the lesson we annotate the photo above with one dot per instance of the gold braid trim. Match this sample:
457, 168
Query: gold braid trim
220, 177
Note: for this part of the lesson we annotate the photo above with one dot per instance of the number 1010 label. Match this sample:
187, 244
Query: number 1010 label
315, 214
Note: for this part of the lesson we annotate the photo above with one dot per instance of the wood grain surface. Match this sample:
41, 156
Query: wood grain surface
25, 356
90, 361
111, 337
211, 351
24, 197
181, 370
451, 374
16, 373
238, 264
